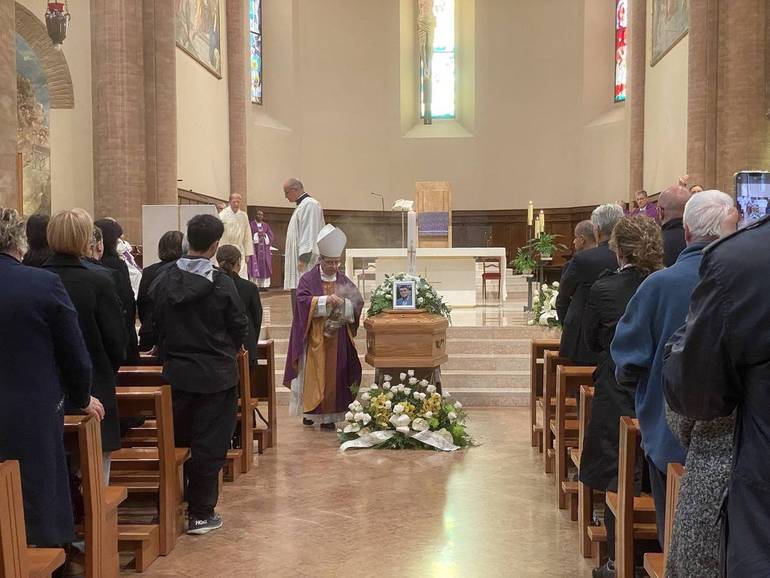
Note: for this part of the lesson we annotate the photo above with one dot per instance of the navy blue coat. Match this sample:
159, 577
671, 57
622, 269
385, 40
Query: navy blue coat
42, 357
720, 361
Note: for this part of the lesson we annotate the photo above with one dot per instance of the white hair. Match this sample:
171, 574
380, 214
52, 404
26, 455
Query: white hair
705, 213
605, 217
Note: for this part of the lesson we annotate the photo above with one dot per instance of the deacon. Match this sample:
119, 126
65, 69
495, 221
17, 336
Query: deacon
305, 224
322, 363
260, 263
237, 231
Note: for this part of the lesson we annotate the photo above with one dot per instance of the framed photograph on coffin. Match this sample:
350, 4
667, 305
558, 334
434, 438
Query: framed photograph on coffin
198, 32
404, 295
670, 23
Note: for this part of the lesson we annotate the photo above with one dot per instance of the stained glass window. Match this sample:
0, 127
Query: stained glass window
620, 49
255, 42
443, 62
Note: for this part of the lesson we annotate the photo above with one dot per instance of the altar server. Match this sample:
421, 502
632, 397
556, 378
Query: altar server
322, 363
237, 231
305, 224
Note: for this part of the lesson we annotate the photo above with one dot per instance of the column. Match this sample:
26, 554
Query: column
118, 113
637, 67
160, 102
9, 196
237, 86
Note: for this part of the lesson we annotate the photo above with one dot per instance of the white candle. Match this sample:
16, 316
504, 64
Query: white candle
411, 243
542, 221
530, 213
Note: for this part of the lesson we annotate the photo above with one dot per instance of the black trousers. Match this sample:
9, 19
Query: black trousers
658, 481
205, 423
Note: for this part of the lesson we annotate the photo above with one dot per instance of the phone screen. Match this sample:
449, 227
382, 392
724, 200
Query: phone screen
752, 193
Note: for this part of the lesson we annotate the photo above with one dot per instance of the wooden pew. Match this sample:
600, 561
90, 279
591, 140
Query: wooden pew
655, 564
82, 437
634, 516
538, 348
239, 460
551, 361
157, 469
146, 375
262, 380
569, 379
17, 560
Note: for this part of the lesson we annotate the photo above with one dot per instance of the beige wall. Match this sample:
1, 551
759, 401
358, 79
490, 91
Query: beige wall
665, 115
72, 175
544, 125
203, 158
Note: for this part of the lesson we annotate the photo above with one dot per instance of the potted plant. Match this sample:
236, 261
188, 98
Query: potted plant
524, 263
545, 245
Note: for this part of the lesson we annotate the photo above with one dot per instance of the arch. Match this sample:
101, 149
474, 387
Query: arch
60, 90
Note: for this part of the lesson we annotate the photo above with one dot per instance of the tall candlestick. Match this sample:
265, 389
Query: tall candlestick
530, 213
542, 221
537, 227
411, 244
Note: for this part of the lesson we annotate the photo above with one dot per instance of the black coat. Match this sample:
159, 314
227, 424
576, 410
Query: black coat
201, 325
720, 361
673, 240
144, 305
249, 294
99, 315
42, 357
607, 302
126, 295
576, 280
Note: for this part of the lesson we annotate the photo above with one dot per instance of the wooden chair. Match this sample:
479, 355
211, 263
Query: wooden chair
655, 564
551, 360
17, 560
490, 272
262, 380
149, 462
82, 437
634, 516
538, 348
569, 379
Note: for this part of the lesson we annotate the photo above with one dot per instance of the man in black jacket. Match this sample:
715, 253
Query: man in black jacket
671, 210
719, 362
201, 326
576, 279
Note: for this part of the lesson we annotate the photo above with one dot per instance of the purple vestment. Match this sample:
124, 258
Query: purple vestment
650, 210
261, 262
348, 366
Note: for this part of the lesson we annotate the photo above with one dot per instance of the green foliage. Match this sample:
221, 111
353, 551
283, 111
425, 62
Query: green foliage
524, 261
427, 298
545, 245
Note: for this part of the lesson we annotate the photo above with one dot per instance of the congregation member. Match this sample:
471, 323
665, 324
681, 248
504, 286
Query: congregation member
696, 189
655, 312
576, 280
169, 250
322, 363
585, 238
671, 210
643, 207
638, 247
37, 231
261, 262
717, 364
201, 326
305, 224
44, 360
111, 234
99, 314
237, 230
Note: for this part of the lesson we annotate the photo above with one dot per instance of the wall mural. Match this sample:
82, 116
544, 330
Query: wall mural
32, 135
198, 32
670, 22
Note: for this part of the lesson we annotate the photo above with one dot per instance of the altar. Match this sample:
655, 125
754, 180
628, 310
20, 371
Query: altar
452, 271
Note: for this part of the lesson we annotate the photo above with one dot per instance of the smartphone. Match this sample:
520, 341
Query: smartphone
752, 193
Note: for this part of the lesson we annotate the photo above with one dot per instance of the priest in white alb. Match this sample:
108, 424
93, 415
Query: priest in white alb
237, 231
306, 223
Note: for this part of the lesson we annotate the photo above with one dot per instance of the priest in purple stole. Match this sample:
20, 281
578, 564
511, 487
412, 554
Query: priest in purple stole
322, 363
261, 262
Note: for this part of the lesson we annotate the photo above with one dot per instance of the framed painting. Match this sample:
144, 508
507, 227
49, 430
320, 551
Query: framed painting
198, 32
670, 23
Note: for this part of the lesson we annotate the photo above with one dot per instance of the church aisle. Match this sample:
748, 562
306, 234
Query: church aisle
308, 511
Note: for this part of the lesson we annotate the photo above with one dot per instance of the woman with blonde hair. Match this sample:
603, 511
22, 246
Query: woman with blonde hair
100, 314
638, 245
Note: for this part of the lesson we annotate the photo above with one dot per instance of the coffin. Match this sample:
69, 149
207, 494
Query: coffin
406, 339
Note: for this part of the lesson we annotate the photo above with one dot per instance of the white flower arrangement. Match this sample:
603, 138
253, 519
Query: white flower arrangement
427, 297
544, 306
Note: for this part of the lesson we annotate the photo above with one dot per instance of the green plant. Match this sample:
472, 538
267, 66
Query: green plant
524, 262
545, 245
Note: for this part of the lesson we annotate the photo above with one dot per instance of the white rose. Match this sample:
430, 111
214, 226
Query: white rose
555, 284
452, 416
407, 391
398, 408
352, 428
420, 301
446, 394
403, 429
416, 395
424, 383
410, 373
413, 381
423, 396
431, 388
458, 405
420, 424
388, 378
400, 387
374, 386
386, 386
366, 397
402, 376
388, 403
428, 414
352, 406
403, 420
363, 389
349, 416
367, 418
359, 416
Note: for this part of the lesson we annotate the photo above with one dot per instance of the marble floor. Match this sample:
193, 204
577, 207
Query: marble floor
306, 510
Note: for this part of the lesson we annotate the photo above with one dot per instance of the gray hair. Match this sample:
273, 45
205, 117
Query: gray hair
605, 217
705, 213
293, 182
13, 236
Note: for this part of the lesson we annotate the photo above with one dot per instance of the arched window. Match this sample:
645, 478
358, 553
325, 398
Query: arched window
443, 63
620, 49
255, 42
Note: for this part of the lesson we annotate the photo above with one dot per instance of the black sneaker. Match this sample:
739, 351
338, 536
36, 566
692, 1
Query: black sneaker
606, 571
306, 421
198, 527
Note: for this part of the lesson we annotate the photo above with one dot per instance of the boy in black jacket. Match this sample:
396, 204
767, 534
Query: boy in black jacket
201, 326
